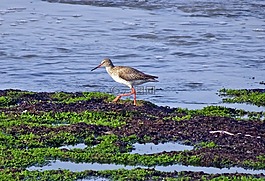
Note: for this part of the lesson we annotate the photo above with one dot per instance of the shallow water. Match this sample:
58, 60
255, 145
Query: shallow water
93, 179
177, 167
77, 146
151, 148
147, 148
194, 47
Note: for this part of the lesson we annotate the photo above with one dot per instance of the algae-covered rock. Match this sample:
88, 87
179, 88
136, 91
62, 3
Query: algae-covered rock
34, 126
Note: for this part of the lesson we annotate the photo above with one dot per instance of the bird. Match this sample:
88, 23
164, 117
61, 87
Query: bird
126, 75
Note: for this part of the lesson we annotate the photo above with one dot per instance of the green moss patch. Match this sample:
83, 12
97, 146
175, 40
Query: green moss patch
33, 127
250, 96
121, 174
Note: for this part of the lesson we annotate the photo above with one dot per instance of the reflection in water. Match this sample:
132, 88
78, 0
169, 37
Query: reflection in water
77, 146
97, 166
150, 148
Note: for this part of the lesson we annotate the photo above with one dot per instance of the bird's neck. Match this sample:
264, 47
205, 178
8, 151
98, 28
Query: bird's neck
109, 69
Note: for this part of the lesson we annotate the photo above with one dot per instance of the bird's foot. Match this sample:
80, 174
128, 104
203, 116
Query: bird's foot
134, 102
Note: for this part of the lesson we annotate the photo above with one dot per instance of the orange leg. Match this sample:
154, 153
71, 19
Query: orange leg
127, 94
134, 97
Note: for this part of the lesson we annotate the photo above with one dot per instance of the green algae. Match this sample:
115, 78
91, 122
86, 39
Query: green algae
120, 174
260, 164
28, 139
206, 145
220, 111
12, 97
255, 96
236, 178
111, 119
68, 98
106, 151
5, 101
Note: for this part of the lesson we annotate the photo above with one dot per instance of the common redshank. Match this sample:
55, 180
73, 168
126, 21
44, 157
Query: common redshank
126, 75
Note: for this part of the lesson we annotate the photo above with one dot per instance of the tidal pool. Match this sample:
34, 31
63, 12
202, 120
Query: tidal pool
94, 179
70, 147
150, 148
78, 167
244, 106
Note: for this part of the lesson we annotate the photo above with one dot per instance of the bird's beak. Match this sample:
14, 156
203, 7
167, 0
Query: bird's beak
96, 67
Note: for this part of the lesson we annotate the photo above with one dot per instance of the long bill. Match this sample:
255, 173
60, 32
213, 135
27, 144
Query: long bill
96, 67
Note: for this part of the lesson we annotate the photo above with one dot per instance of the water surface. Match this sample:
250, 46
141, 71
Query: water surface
60, 165
151, 148
194, 47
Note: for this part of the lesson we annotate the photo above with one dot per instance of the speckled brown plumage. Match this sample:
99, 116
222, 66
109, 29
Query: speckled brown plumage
126, 75
130, 74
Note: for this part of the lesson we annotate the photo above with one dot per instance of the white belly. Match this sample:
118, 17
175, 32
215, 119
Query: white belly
122, 81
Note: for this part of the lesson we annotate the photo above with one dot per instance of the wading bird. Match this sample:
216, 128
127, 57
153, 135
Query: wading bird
126, 75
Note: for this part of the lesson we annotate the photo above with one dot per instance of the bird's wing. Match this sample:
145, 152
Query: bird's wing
129, 74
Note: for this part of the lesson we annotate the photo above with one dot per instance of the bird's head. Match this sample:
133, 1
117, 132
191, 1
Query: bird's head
105, 63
